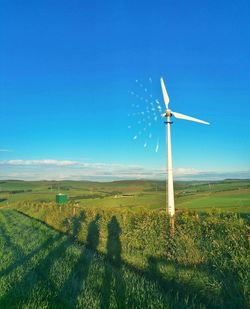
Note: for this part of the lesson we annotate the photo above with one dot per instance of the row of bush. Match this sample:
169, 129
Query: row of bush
216, 244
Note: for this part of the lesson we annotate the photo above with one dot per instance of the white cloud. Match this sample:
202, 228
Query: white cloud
39, 162
50, 169
181, 171
5, 150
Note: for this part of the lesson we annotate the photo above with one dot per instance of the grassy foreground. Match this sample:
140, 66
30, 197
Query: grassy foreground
128, 260
42, 268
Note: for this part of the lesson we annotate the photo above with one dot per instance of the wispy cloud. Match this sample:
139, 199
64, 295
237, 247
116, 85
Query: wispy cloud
46, 162
4, 150
50, 169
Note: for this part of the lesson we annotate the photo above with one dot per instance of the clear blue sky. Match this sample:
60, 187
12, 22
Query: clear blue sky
66, 69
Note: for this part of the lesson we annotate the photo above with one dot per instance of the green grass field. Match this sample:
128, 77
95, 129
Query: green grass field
232, 195
111, 246
43, 268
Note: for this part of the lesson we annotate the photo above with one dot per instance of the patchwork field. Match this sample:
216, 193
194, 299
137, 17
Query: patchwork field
232, 195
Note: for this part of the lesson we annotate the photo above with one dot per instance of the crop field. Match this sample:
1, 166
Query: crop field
95, 259
112, 245
43, 268
232, 195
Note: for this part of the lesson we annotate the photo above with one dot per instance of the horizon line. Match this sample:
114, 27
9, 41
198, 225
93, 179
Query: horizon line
127, 180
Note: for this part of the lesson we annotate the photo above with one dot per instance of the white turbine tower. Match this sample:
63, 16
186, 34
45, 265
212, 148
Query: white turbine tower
168, 114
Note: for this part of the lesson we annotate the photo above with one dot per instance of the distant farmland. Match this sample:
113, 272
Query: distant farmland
232, 195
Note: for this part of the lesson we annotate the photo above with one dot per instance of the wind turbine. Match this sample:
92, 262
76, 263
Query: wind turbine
168, 114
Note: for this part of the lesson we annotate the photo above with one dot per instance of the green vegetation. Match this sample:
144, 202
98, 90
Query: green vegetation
128, 259
112, 245
44, 268
232, 195
41, 268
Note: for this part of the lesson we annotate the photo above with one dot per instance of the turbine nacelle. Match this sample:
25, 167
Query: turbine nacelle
169, 113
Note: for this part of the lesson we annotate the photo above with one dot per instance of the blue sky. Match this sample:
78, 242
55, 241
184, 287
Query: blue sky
67, 69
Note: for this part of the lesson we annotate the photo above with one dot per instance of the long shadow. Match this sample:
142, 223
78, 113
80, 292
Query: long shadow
17, 225
25, 258
21, 290
74, 224
16, 249
79, 273
9, 221
77, 224
40, 221
113, 272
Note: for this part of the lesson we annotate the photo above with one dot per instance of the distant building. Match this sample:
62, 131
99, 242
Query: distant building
61, 198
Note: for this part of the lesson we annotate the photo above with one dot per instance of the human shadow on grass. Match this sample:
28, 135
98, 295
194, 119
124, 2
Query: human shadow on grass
37, 274
77, 278
15, 248
113, 278
17, 225
22, 290
11, 221
113, 281
39, 221
18, 252
73, 224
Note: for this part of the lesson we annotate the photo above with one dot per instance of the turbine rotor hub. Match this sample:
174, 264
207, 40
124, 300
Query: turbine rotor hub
168, 113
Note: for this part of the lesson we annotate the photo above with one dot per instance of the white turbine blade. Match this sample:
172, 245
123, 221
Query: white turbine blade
157, 147
164, 92
185, 117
